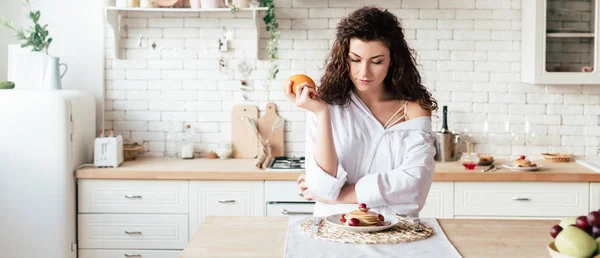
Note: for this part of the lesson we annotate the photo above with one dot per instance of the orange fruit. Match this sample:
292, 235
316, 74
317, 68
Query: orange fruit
298, 79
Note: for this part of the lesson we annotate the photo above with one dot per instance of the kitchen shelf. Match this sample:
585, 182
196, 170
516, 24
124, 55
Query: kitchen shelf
113, 18
569, 35
188, 10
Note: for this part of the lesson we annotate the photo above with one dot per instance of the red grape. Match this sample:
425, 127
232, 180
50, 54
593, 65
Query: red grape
595, 232
582, 222
354, 222
362, 206
343, 218
521, 157
555, 230
594, 218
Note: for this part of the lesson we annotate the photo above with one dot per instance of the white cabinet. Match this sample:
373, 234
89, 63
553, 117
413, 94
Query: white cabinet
521, 199
139, 231
224, 198
132, 218
559, 42
594, 197
127, 254
439, 203
133, 196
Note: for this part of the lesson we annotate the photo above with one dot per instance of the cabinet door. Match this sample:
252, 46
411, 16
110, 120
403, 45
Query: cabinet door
439, 203
133, 231
521, 199
559, 42
594, 196
128, 253
224, 198
133, 196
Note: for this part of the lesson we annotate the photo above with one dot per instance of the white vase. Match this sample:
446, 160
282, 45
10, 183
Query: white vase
52, 75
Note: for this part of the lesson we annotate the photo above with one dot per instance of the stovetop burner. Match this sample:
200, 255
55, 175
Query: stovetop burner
285, 163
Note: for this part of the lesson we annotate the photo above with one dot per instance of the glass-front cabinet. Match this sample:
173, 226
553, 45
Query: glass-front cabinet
559, 42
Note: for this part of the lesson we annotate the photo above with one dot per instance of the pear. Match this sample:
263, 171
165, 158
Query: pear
566, 222
575, 242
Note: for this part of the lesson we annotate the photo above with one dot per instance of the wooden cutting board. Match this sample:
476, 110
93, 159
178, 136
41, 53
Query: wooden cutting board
265, 124
244, 143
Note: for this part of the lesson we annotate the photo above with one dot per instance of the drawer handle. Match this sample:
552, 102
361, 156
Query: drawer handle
133, 232
286, 212
226, 201
521, 199
129, 196
133, 255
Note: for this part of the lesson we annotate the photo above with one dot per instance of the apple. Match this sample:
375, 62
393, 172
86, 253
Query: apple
573, 241
565, 222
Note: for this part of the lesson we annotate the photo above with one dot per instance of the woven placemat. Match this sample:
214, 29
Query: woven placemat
401, 233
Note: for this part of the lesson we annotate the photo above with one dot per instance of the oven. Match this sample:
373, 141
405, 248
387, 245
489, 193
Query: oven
283, 199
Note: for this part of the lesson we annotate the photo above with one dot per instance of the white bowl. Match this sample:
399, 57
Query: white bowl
389, 222
555, 254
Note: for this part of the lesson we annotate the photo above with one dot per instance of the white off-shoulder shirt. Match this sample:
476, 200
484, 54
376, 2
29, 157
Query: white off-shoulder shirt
392, 168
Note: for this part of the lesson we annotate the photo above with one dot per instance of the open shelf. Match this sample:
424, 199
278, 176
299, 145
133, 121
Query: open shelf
569, 35
138, 9
113, 18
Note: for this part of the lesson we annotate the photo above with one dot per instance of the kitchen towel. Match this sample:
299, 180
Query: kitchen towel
299, 245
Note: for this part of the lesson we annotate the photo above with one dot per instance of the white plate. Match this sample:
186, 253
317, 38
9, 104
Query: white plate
334, 220
513, 168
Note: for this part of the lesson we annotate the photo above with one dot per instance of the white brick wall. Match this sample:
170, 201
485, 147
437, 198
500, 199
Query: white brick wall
468, 51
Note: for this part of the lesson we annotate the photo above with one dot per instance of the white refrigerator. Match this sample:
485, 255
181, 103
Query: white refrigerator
44, 136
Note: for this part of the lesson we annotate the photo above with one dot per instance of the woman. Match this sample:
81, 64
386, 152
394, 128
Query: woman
368, 132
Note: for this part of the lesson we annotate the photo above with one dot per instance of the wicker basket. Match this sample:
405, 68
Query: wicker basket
130, 151
558, 157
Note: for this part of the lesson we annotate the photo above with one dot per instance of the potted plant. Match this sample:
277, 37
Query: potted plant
273, 44
37, 37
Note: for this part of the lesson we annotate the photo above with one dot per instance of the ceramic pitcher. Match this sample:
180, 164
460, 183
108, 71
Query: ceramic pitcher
52, 75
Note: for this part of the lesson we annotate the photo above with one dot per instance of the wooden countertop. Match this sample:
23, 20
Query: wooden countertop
243, 169
265, 237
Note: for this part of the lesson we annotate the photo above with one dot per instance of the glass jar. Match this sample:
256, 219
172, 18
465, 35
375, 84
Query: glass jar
469, 160
187, 144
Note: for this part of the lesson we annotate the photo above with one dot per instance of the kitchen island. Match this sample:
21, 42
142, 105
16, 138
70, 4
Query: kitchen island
265, 237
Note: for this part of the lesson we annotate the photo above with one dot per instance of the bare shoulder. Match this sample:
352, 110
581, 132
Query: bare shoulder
414, 110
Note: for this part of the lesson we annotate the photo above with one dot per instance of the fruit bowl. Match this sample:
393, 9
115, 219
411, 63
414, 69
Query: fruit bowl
555, 254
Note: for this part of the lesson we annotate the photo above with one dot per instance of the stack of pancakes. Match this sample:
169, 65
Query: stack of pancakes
366, 218
523, 163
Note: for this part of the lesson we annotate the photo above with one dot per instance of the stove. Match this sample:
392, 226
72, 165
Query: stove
287, 164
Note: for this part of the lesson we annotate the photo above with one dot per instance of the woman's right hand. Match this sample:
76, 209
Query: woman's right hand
306, 97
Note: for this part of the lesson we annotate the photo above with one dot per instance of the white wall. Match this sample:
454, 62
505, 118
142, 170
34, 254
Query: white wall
469, 51
77, 32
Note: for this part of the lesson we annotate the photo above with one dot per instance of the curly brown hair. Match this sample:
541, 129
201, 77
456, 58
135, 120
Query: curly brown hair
402, 81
